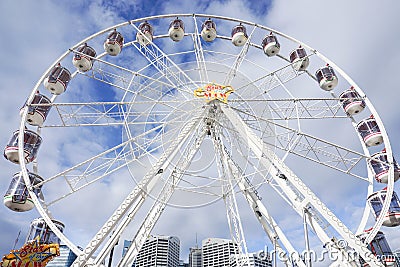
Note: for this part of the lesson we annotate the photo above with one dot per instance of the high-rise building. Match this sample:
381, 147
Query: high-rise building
160, 251
217, 252
254, 260
65, 259
183, 264
195, 257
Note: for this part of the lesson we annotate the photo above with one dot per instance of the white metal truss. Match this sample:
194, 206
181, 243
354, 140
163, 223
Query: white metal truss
160, 203
136, 197
229, 196
168, 68
199, 52
269, 225
268, 158
239, 59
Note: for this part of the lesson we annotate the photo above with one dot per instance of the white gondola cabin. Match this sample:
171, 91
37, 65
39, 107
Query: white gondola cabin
208, 30
176, 30
58, 80
114, 43
375, 201
351, 102
84, 58
379, 247
270, 45
299, 59
380, 167
326, 78
17, 197
40, 229
32, 143
370, 132
145, 34
239, 35
37, 114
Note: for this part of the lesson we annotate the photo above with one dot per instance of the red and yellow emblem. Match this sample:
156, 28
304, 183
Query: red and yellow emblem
32, 254
213, 91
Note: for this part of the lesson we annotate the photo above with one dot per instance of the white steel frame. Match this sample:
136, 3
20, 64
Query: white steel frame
170, 74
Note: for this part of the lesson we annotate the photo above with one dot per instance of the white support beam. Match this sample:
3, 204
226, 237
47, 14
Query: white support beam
199, 52
232, 211
141, 190
166, 66
269, 225
159, 205
239, 60
269, 159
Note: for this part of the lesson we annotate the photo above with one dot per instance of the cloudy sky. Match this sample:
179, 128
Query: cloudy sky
359, 36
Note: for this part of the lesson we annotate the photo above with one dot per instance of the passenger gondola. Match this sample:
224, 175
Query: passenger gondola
176, 30
299, 59
114, 43
239, 35
32, 142
40, 229
375, 201
145, 33
17, 197
326, 78
270, 45
380, 167
370, 132
84, 58
351, 102
58, 80
38, 109
208, 30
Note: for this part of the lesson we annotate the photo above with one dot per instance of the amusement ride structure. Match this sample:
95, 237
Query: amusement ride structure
198, 109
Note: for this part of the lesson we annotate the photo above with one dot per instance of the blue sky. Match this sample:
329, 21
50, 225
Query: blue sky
360, 38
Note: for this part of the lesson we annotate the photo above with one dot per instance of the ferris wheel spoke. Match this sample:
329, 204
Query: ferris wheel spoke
103, 164
112, 113
118, 76
287, 109
272, 80
167, 67
316, 149
198, 50
239, 59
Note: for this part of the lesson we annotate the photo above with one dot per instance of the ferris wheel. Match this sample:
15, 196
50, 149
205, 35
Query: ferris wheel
193, 109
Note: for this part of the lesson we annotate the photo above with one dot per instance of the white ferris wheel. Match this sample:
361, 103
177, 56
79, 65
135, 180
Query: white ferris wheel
196, 109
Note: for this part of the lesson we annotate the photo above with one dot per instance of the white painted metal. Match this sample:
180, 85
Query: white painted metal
125, 79
142, 190
163, 198
268, 157
239, 59
269, 225
229, 196
199, 52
